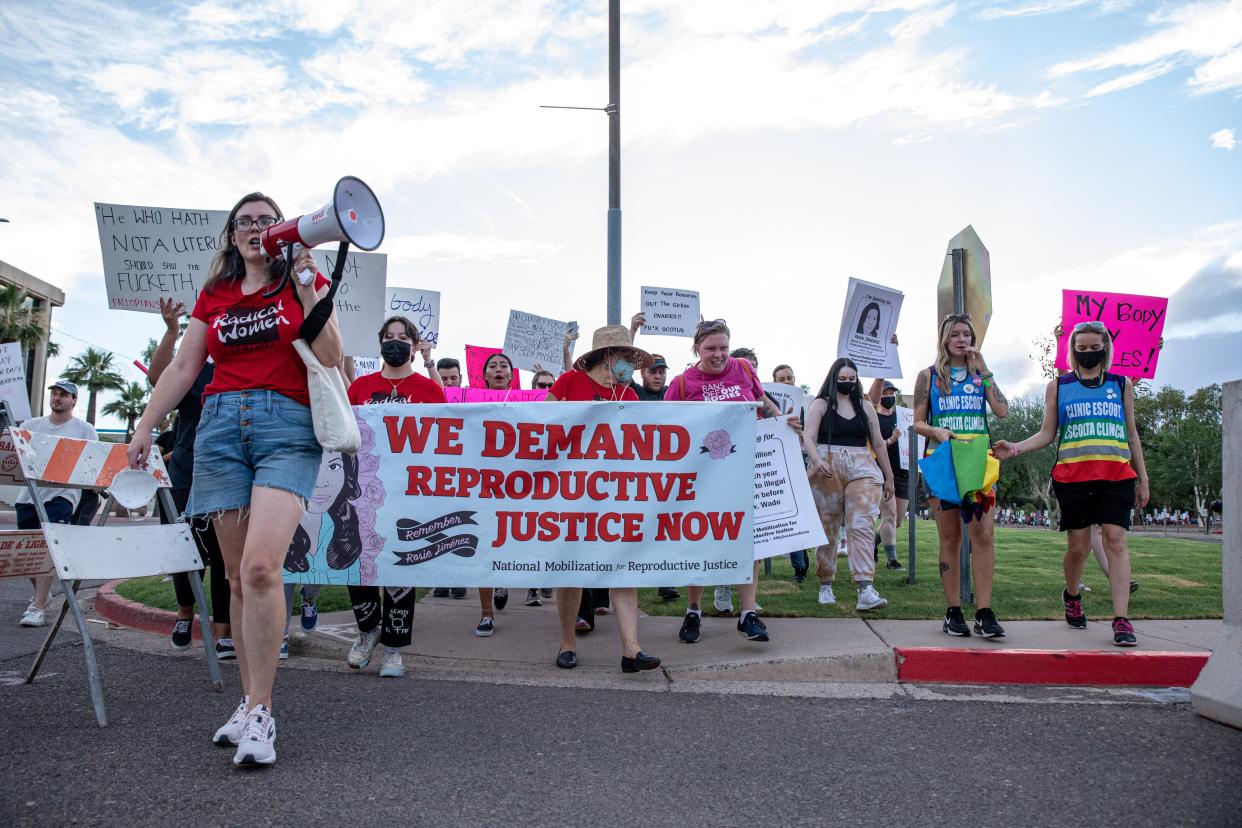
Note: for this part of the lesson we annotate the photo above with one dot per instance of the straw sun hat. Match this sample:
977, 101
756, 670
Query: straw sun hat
616, 338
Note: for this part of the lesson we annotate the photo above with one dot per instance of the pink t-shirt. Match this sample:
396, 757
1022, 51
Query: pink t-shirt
735, 383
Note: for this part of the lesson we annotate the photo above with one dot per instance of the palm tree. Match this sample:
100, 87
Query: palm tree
94, 371
18, 321
128, 406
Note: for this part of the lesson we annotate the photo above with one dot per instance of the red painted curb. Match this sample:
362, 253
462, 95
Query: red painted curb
1057, 667
126, 613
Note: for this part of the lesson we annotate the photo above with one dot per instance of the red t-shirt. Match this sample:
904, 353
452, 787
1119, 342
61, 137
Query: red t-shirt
251, 339
576, 386
373, 389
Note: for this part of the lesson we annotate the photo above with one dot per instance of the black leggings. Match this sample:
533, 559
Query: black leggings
394, 606
209, 550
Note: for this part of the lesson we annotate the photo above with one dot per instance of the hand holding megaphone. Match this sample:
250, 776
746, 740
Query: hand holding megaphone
352, 215
303, 264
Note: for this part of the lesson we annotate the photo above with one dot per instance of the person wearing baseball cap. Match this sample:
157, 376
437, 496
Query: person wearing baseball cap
58, 504
654, 377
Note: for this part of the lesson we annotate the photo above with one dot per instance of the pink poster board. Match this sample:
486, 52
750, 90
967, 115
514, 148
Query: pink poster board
1135, 322
473, 395
476, 358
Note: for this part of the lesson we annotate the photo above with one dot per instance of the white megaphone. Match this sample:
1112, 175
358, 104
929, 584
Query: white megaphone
353, 215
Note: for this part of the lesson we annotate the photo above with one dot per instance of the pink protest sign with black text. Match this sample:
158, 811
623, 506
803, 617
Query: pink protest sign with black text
1135, 322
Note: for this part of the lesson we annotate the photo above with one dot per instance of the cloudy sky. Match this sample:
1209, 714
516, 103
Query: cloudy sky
771, 150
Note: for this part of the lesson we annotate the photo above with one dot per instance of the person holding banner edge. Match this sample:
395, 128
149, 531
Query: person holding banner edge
841, 434
719, 377
602, 374
256, 451
951, 401
1100, 476
497, 376
883, 395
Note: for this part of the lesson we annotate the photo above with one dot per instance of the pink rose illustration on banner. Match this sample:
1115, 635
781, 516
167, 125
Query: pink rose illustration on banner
718, 445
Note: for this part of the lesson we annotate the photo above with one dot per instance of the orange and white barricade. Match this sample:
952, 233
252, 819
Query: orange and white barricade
96, 552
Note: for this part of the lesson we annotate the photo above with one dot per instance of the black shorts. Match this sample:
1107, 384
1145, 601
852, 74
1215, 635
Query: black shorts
1095, 501
901, 483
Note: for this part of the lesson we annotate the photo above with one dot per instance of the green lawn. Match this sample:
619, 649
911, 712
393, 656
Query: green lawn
1179, 578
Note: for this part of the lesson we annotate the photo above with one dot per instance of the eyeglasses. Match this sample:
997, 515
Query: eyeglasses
543, 385
1091, 326
956, 317
244, 223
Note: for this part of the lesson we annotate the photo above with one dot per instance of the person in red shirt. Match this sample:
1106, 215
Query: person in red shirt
255, 452
383, 616
497, 376
603, 374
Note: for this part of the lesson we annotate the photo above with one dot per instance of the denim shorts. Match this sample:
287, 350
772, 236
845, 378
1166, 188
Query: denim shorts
247, 439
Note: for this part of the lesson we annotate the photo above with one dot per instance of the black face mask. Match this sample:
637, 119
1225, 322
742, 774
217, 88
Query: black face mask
846, 388
395, 352
1089, 359
888, 402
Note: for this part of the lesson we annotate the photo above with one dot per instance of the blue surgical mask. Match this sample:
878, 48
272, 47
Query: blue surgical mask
622, 370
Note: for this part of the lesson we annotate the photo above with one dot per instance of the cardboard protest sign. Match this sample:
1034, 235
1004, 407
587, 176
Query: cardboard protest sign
532, 340
535, 495
13, 381
868, 323
422, 307
476, 358
786, 519
1135, 322
905, 419
367, 365
790, 398
23, 554
669, 311
474, 395
152, 253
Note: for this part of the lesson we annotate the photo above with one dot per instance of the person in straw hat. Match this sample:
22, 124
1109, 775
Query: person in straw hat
602, 374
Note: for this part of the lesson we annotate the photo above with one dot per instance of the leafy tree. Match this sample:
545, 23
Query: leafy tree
148, 353
128, 406
1027, 478
18, 320
94, 370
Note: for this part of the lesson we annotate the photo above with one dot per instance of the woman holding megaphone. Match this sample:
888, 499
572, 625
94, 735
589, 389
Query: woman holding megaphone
256, 451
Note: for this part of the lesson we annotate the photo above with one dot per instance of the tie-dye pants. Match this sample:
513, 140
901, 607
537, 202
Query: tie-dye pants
850, 497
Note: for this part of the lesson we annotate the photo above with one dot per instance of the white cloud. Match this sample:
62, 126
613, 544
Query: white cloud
454, 247
1041, 7
922, 23
1131, 79
1219, 73
1223, 139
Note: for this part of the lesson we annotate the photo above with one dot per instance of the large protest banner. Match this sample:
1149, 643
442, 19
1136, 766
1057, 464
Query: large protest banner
152, 253
669, 311
786, 519
23, 554
13, 381
476, 359
535, 495
868, 322
1135, 322
532, 341
422, 307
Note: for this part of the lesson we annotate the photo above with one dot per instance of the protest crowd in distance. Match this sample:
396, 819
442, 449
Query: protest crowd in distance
542, 467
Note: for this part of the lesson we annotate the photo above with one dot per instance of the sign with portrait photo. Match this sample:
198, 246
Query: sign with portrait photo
868, 323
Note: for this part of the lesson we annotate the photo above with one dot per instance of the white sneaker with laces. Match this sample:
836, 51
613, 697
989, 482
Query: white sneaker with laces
390, 664
869, 599
34, 616
257, 745
723, 599
230, 733
825, 595
360, 653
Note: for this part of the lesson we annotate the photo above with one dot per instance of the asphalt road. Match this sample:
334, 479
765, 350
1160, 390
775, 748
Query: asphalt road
353, 747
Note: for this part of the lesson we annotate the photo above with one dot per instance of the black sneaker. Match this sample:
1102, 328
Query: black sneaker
955, 623
181, 633
1074, 615
751, 628
893, 563
500, 597
669, 593
689, 632
532, 598
457, 592
986, 624
1123, 633
439, 592
225, 649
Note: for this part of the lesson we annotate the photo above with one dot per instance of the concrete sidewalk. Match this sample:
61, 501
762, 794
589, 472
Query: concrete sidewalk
801, 650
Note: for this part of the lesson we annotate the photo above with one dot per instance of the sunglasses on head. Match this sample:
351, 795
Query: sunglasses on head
1091, 326
956, 317
710, 323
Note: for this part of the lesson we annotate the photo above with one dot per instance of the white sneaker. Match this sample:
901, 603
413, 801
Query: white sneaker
230, 732
723, 599
390, 665
825, 595
869, 599
257, 745
360, 653
34, 616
